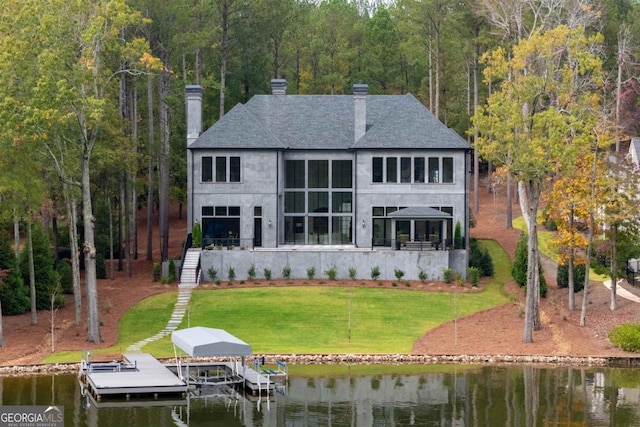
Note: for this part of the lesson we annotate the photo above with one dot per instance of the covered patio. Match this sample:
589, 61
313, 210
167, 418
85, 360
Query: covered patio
425, 228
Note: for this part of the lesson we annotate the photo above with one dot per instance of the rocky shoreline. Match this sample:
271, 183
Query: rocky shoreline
369, 359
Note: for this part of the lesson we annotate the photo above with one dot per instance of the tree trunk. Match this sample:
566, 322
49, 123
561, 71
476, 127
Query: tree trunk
70, 206
111, 256
571, 272
164, 162
16, 233
529, 197
614, 268
585, 291
32, 275
150, 173
89, 250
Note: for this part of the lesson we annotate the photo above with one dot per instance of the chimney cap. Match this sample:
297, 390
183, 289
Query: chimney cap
278, 86
193, 89
360, 88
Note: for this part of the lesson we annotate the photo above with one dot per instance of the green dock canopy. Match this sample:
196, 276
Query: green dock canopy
209, 342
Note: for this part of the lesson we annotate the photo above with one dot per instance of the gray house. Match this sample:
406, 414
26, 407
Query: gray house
326, 181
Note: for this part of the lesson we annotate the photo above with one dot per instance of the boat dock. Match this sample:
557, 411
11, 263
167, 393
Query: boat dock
137, 375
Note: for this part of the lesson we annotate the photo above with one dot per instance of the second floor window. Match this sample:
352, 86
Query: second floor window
227, 169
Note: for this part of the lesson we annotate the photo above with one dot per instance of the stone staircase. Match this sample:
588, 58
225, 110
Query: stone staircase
189, 279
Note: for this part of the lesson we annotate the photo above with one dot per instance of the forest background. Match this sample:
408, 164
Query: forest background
91, 98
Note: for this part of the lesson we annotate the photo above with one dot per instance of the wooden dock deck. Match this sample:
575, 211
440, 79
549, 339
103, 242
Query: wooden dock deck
139, 375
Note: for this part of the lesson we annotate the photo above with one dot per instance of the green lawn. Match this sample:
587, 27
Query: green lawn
312, 319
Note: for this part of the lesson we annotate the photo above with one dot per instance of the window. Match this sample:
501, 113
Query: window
341, 174
341, 201
405, 169
377, 169
257, 211
295, 174
447, 169
234, 169
222, 165
221, 211
318, 174
418, 169
318, 200
207, 211
221, 169
434, 169
392, 169
294, 202
207, 169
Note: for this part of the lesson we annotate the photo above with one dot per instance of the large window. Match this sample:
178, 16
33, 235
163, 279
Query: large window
227, 169
407, 170
221, 225
318, 201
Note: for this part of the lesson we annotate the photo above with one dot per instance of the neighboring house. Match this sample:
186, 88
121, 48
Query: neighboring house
358, 181
634, 151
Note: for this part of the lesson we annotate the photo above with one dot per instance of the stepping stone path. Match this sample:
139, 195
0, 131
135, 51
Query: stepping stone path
188, 280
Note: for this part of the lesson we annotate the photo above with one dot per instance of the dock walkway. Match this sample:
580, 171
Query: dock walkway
140, 374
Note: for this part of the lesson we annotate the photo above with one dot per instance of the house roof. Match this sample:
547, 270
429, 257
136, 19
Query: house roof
419, 212
209, 342
309, 122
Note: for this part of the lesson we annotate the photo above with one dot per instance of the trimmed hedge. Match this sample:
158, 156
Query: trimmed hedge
578, 277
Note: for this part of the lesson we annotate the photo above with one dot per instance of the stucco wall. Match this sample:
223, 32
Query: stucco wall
431, 262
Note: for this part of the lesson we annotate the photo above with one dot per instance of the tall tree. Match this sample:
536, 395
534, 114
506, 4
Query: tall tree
547, 102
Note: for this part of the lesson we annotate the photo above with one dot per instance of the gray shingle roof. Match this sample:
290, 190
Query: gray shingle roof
419, 212
308, 122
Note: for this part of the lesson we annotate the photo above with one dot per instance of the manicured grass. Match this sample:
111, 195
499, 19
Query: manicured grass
313, 319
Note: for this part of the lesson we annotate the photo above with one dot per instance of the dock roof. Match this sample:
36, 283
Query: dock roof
200, 341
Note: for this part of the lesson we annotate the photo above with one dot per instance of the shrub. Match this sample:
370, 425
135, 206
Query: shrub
447, 275
286, 272
231, 273
398, 273
66, 276
519, 269
480, 258
172, 271
352, 273
213, 274
251, 273
422, 275
267, 274
520, 266
375, 272
473, 275
196, 235
332, 273
101, 270
626, 336
311, 273
156, 272
457, 236
578, 277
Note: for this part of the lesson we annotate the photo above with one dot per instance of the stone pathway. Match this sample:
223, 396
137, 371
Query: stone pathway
184, 297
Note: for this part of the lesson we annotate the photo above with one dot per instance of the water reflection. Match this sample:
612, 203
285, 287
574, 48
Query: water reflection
446, 396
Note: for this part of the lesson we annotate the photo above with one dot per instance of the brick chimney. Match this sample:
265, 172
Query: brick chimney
278, 87
360, 91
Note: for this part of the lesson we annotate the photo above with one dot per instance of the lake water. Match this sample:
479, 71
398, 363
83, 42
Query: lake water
384, 396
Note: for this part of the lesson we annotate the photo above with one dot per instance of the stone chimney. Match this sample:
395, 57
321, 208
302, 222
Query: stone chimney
278, 87
360, 91
193, 95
